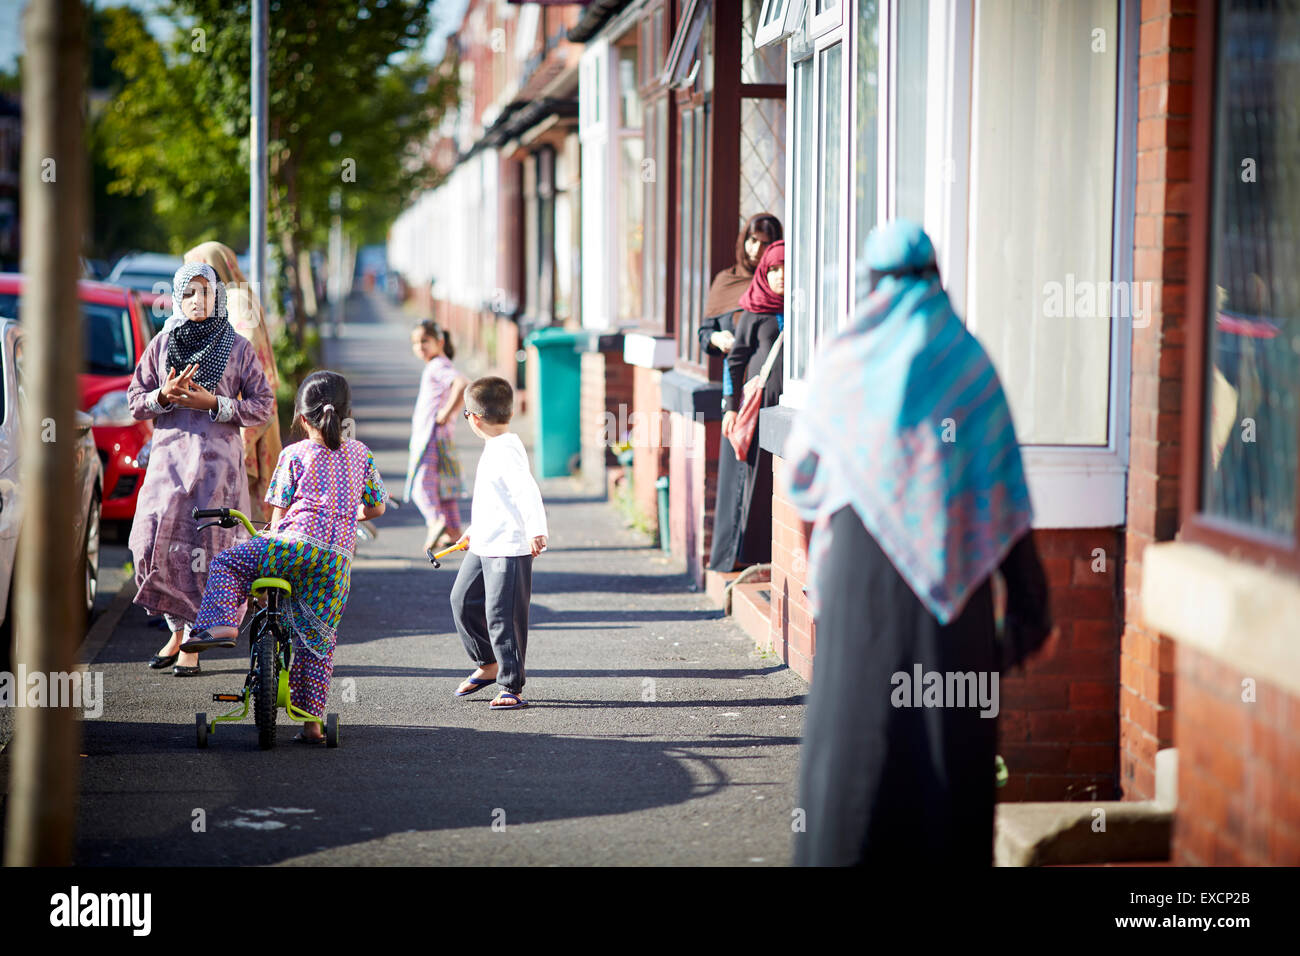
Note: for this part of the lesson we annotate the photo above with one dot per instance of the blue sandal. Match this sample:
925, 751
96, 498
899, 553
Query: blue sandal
518, 701
478, 684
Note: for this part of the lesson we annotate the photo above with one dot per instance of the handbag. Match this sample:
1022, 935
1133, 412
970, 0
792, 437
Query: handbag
746, 423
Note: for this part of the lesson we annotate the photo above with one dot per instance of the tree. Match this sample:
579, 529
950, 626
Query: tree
351, 101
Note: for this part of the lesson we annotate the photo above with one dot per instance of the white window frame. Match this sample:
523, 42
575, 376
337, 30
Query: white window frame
786, 15
825, 32
1070, 486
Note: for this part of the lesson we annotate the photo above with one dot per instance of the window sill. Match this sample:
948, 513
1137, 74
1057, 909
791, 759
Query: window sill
685, 394
774, 425
649, 351
1239, 613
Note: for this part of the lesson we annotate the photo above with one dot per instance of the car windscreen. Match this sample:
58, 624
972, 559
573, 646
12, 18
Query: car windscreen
109, 346
158, 282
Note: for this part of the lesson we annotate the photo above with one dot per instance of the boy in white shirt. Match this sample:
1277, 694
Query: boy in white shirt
489, 601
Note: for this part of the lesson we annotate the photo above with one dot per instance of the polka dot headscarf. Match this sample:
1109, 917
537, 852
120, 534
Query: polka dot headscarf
208, 342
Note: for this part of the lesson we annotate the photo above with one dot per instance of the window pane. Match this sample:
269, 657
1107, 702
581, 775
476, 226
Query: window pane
830, 257
649, 175
913, 49
686, 191
704, 215
1254, 295
628, 98
630, 203
1041, 212
866, 141
759, 66
762, 157
800, 253
661, 210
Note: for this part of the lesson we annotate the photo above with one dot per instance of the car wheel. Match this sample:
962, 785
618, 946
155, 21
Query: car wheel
90, 554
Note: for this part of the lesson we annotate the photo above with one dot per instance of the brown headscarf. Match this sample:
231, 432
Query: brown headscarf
730, 284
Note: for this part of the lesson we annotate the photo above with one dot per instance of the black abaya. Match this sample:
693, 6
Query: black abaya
750, 541
885, 784
730, 485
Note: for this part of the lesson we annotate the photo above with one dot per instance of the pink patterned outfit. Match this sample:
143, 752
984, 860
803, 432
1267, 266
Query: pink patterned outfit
311, 548
433, 473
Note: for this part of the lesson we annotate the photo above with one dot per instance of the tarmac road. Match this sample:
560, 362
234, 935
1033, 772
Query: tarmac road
657, 734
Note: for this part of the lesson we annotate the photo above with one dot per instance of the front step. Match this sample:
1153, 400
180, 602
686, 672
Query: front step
751, 609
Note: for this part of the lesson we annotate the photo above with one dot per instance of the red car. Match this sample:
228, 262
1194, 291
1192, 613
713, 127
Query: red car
117, 329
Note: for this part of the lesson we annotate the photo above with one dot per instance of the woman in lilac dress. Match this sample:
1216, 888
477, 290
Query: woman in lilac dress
200, 382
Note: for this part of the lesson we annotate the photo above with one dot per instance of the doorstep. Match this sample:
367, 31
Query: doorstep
1067, 834
715, 585
1125, 832
751, 609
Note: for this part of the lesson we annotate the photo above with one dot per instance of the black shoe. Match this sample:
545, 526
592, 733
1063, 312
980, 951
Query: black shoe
182, 671
159, 662
203, 640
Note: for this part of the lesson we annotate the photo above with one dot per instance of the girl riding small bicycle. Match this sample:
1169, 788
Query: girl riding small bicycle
321, 487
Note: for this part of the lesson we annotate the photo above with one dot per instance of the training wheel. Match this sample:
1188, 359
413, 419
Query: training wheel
201, 729
331, 730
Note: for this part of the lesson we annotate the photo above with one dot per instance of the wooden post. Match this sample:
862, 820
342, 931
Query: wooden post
49, 617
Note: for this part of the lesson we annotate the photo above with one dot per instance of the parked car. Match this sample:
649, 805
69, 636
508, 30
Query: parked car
117, 329
150, 274
83, 556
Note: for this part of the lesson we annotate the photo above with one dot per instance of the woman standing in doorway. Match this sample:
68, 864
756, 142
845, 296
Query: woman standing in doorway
757, 331
717, 335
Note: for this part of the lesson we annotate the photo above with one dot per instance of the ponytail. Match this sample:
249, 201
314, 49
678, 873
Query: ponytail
331, 427
436, 332
324, 401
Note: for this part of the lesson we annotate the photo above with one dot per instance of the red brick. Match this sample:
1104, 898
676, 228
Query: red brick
1091, 759
1092, 695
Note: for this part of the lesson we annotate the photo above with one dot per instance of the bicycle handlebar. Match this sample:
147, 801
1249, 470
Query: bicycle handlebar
226, 517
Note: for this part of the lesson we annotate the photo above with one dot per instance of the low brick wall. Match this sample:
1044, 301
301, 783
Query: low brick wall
1238, 767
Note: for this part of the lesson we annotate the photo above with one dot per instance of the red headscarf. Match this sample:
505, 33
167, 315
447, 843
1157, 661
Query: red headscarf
759, 297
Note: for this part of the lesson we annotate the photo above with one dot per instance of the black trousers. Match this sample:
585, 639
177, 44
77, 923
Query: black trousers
489, 603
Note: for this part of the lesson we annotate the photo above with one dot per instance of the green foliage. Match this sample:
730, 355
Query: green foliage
294, 363
348, 91
163, 141
626, 505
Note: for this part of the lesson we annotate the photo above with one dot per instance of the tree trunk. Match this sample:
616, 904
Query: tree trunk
49, 619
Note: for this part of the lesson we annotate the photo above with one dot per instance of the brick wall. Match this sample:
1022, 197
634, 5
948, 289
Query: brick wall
793, 635
1160, 238
692, 489
606, 391
1058, 727
1238, 768
651, 453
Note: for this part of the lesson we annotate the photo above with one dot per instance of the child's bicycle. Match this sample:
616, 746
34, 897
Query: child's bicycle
271, 637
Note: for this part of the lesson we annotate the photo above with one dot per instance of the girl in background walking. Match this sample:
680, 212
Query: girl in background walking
433, 472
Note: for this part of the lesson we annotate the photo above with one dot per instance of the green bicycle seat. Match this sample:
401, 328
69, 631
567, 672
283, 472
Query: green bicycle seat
261, 584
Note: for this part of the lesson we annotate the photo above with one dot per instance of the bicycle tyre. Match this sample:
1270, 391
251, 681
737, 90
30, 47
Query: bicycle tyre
201, 730
268, 683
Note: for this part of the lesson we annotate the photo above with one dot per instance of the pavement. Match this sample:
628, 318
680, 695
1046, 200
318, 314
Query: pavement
657, 735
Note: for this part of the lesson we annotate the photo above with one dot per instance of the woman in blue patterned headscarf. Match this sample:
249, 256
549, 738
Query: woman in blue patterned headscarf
907, 465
